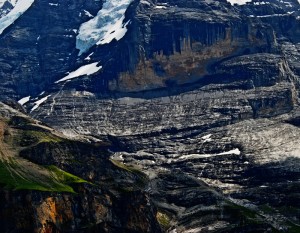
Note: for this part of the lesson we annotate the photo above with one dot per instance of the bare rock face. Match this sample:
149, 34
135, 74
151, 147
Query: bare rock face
46, 188
41, 45
167, 44
201, 95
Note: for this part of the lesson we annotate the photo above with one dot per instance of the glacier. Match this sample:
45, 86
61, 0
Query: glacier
20, 7
107, 25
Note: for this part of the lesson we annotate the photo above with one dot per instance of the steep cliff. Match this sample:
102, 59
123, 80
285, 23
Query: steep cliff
41, 190
164, 44
201, 95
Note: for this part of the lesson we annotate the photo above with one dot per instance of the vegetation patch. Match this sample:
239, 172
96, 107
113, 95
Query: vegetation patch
52, 179
64, 177
30, 137
163, 220
293, 228
242, 211
45, 137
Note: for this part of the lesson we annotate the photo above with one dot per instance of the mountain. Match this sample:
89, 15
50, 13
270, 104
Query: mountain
50, 183
201, 95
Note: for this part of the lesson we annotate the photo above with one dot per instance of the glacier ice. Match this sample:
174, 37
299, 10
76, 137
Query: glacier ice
107, 25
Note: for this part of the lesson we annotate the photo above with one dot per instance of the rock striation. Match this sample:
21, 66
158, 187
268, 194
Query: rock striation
201, 95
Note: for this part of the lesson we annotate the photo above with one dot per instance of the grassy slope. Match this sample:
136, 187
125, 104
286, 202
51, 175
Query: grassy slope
17, 173
17, 176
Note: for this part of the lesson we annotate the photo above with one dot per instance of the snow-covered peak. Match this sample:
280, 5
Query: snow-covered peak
105, 26
20, 6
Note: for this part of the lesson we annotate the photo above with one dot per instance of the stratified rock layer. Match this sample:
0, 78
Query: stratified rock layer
202, 95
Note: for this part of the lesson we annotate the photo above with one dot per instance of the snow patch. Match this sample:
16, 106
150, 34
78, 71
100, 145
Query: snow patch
235, 151
83, 70
89, 56
104, 27
261, 3
200, 156
88, 13
20, 7
239, 2
160, 7
39, 102
207, 138
147, 3
24, 100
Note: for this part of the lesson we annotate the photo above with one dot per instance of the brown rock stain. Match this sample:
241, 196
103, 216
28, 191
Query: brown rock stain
188, 65
185, 66
52, 213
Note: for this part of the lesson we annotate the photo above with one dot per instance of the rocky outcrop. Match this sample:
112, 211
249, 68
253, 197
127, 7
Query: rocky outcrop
108, 196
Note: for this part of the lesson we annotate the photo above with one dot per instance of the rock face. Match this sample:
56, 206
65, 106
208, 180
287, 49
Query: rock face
167, 44
35, 158
41, 45
201, 95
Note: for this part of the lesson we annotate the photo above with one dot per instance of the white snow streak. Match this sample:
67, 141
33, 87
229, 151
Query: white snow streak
39, 102
24, 100
89, 56
20, 7
104, 27
235, 151
83, 70
160, 7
